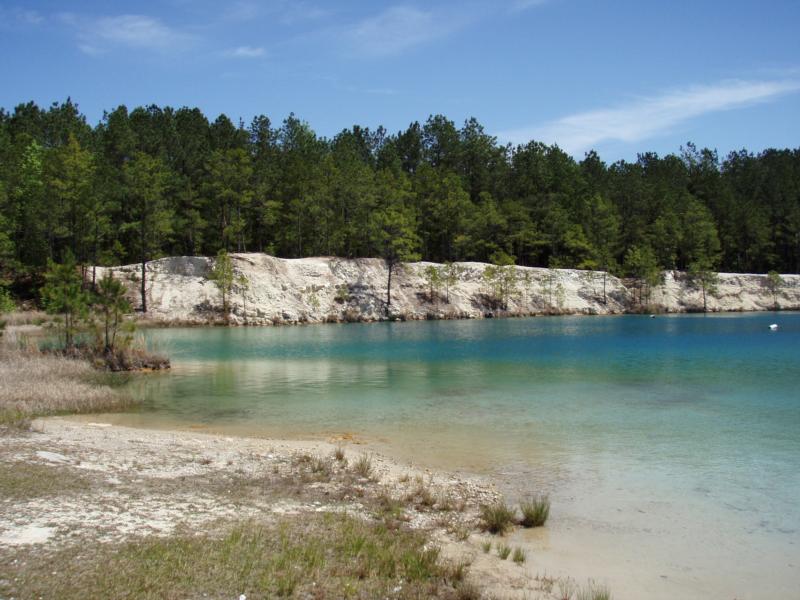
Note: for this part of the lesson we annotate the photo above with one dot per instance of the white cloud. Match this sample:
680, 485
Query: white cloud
11, 17
245, 52
650, 116
397, 29
133, 31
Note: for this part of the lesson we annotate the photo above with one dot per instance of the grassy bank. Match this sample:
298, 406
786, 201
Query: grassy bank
33, 384
314, 556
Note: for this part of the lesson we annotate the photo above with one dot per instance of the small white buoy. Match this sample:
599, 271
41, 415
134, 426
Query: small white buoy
773, 327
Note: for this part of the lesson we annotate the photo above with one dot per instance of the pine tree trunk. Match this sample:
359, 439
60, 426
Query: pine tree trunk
390, 265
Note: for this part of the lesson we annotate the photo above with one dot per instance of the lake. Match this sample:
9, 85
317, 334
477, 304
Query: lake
670, 446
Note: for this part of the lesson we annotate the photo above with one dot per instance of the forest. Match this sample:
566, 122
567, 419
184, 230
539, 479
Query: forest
158, 181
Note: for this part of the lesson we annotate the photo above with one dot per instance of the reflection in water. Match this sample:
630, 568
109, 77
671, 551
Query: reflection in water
682, 425
539, 395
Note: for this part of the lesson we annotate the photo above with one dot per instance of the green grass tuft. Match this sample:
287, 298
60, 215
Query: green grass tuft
313, 556
535, 511
497, 518
593, 591
503, 551
518, 556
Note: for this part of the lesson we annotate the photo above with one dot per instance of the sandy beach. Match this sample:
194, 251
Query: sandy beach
95, 483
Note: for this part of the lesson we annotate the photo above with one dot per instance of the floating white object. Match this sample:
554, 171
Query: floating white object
773, 327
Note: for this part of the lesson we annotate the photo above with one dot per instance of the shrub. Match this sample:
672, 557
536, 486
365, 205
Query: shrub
535, 511
497, 518
363, 466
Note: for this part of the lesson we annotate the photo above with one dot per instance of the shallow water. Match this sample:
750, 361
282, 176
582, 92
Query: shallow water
670, 446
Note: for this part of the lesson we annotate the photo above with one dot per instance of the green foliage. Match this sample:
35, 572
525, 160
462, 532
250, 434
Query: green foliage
774, 284
63, 294
156, 181
535, 511
501, 278
641, 264
702, 276
318, 555
6, 301
149, 219
223, 277
433, 279
342, 295
450, 275
112, 305
396, 240
553, 290
243, 283
497, 518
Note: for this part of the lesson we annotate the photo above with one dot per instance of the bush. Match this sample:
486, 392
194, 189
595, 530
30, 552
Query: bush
6, 302
363, 466
497, 518
535, 511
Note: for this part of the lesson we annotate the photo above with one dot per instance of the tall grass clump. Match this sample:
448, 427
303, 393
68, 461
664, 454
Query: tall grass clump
34, 384
518, 556
497, 518
535, 511
338, 454
593, 591
363, 466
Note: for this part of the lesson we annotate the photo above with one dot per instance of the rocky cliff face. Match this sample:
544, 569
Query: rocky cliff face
317, 290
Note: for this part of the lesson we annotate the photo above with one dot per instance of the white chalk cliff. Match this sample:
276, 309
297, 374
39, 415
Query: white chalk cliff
317, 290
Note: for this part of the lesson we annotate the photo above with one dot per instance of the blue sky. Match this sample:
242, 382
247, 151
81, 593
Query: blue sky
620, 76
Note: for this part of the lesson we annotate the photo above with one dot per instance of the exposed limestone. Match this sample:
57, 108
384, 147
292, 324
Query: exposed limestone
314, 290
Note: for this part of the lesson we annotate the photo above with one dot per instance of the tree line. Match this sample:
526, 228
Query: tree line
157, 181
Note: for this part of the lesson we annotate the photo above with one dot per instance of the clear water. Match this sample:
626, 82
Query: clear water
682, 431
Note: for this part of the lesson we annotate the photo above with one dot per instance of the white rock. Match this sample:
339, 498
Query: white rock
51, 456
307, 289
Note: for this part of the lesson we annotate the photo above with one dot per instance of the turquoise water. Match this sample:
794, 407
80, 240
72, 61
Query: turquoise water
694, 418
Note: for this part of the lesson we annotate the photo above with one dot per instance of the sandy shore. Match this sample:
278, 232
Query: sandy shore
98, 482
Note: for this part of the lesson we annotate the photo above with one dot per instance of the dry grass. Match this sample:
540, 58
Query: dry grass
33, 384
363, 466
26, 317
314, 556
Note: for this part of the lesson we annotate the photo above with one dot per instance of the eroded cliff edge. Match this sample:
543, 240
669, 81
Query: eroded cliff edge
325, 289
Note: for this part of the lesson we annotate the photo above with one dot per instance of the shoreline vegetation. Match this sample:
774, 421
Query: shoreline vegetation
90, 509
258, 289
158, 181
96, 510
